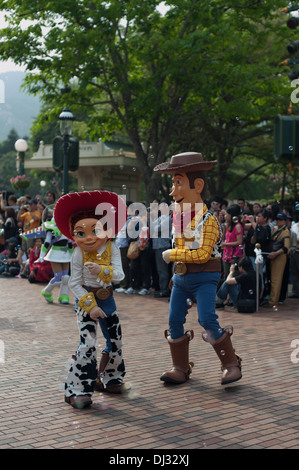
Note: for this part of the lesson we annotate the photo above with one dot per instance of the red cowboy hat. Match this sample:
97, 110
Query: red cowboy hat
185, 162
110, 205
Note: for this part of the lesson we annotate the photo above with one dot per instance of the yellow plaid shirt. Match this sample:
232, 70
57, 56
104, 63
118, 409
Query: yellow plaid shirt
208, 238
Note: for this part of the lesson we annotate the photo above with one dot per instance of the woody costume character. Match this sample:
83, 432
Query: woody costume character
197, 269
91, 220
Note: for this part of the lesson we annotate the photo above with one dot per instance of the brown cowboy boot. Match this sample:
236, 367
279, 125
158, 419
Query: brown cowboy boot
99, 387
231, 362
179, 350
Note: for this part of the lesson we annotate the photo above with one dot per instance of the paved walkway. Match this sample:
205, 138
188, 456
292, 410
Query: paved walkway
262, 412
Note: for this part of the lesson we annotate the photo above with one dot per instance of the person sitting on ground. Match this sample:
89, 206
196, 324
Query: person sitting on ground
240, 284
10, 262
10, 225
39, 271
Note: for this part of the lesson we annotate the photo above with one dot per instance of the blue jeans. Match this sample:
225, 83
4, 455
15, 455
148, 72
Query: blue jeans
232, 290
108, 306
201, 287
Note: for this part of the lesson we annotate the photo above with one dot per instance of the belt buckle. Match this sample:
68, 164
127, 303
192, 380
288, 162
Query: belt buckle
180, 268
103, 293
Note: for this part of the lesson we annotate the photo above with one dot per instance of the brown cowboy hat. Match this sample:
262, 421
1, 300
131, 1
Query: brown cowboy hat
185, 162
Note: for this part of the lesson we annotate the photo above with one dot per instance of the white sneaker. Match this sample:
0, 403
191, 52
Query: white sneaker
120, 289
131, 291
144, 292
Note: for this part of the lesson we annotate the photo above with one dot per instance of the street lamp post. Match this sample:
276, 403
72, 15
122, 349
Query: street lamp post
21, 146
66, 119
42, 184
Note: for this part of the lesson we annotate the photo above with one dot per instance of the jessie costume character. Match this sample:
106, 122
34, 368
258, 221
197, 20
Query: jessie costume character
197, 268
92, 219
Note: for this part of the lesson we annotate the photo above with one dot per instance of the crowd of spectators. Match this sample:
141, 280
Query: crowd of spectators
270, 228
244, 225
17, 254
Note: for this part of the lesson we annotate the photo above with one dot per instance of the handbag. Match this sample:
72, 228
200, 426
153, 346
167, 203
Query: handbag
277, 244
133, 250
246, 305
143, 240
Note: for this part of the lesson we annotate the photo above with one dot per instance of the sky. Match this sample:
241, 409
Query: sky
9, 66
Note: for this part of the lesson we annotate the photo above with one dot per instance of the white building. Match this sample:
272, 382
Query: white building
110, 166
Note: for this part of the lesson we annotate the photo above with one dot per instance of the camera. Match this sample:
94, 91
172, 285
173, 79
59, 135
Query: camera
236, 268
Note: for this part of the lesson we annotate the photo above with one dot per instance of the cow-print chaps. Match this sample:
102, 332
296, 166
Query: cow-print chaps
82, 374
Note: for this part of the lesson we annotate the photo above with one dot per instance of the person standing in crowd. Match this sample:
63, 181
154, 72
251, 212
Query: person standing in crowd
215, 205
140, 267
9, 201
241, 204
261, 234
278, 258
273, 209
294, 264
160, 234
41, 206
249, 223
50, 198
286, 272
233, 243
30, 218
122, 241
197, 270
256, 207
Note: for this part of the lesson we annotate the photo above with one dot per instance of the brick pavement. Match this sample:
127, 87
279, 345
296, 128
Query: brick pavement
262, 412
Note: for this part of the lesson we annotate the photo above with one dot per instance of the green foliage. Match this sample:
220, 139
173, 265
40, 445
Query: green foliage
206, 67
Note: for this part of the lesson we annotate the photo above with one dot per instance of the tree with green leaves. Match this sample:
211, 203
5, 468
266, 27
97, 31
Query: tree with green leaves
193, 76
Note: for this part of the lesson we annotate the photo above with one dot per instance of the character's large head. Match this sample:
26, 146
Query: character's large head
188, 177
90, 218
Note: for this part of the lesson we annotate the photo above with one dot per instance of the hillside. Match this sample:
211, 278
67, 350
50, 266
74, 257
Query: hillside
19, 109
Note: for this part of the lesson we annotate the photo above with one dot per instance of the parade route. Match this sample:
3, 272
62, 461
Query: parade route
37, 339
